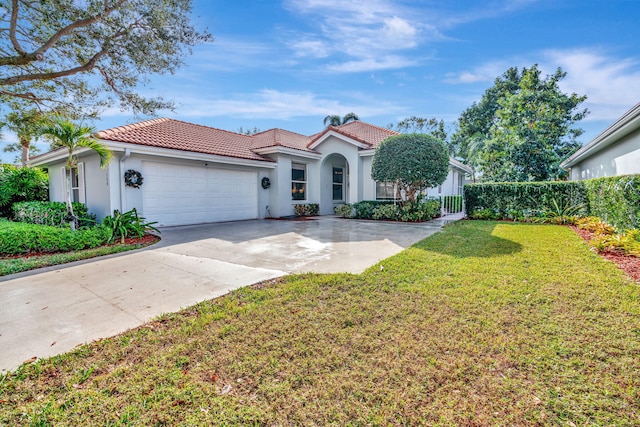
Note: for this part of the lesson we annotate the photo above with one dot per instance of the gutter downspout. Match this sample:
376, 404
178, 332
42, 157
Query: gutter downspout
125, 156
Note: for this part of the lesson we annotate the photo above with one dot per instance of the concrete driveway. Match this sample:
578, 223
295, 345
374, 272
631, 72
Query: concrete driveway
52, 310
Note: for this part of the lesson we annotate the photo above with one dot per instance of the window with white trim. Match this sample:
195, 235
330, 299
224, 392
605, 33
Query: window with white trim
386, 191
338, 184
74, 177
298, 181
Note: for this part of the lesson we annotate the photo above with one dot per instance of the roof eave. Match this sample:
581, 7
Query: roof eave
627, 123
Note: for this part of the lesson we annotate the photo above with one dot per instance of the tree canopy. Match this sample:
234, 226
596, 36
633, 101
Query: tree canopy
425, 125
414, 162
26, 125
78, 55
522, 128
336, 120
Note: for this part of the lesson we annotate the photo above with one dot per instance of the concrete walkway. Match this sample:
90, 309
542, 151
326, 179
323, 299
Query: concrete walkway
52, 310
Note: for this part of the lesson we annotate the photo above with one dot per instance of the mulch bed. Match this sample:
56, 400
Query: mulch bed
146, 240
627, 263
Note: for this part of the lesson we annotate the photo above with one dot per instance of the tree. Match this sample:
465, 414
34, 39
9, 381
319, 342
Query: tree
523, 127
74, 54
424, 125
336, 120
67, 135
26, 125
414, 162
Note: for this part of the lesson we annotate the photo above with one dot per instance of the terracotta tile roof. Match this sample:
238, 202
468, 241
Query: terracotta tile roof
282, 138
179, 135
365, 133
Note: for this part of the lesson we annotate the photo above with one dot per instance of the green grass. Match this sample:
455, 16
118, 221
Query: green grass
17, 265
482, 324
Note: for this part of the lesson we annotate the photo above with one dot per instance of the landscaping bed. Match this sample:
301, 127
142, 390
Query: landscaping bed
484, 323
627, 263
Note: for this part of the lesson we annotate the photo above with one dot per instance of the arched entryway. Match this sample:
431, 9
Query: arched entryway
334, 175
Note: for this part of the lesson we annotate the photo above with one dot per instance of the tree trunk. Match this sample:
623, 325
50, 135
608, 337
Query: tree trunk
72, 218
25, 144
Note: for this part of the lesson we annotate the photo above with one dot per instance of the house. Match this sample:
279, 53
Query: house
196, 174
615, 151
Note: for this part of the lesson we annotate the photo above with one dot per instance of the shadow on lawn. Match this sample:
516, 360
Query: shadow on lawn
470, 239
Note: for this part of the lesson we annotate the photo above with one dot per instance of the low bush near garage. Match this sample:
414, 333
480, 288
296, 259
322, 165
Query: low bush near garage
422, 211
20, 238
51, 213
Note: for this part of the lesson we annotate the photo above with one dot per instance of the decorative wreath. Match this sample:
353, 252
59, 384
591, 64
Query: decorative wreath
133, 178
266, 183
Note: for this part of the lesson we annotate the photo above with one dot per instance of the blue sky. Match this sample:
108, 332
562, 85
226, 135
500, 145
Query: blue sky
290, 63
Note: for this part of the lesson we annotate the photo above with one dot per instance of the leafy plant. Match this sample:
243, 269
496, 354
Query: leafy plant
51, 213
299, 209
386, 212
560, 214
313, 209
595, 225
345, 211
123, 225
21, 184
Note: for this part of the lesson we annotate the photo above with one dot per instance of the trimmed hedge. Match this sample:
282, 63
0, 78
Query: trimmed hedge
386, 210
616, 200
21, 238
50, 213
509, 200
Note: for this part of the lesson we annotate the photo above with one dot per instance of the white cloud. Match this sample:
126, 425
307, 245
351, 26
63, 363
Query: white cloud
310, 48
360, 30
275, 104
612, 85
372, 64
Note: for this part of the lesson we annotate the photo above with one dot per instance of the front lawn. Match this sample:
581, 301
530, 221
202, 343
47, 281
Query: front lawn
484, 323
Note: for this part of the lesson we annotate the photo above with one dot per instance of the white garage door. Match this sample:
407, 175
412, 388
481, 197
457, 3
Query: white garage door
178, 195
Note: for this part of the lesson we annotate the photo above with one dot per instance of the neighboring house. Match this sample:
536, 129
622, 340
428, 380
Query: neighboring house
196, 174
616, 151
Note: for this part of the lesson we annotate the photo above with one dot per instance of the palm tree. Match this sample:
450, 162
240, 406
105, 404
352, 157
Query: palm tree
66, 134
26, 125
336, 120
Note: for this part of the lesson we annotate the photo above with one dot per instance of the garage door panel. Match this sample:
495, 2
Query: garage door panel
178, 194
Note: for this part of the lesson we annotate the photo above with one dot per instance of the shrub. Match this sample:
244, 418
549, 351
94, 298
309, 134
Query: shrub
51, 213
312, 209
299, 209
386, 212
345, 211
422, 211
616, 200
22, 238
21, 184
128, 224
525, 199
364, 210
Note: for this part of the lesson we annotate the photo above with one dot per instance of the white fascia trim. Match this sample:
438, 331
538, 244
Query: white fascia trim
278, 149
160, 152
460, 166
51, 156
339, 136
626, 124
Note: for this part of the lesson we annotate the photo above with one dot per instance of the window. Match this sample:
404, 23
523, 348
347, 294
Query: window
298, 182
386, 191
74, 177
338, 184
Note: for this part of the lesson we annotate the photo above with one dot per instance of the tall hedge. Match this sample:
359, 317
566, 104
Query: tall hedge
528, 198
616, 200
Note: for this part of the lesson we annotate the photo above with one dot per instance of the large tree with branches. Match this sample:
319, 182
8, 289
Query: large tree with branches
70, 54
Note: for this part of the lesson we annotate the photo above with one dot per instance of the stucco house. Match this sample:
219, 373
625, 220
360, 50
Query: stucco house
196, 174
615, 151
